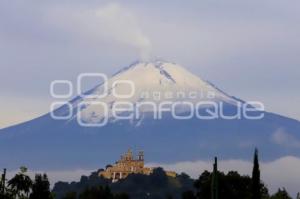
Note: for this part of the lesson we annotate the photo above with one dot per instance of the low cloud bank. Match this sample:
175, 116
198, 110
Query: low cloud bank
283, 172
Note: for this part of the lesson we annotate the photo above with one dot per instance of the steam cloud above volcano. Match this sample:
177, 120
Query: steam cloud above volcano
122, 26
107, 23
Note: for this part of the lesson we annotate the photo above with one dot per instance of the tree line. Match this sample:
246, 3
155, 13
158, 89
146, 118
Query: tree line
209, 185
21, 186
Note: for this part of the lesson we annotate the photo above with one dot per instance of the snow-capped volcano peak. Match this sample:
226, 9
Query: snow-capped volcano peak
154, 82
161, 76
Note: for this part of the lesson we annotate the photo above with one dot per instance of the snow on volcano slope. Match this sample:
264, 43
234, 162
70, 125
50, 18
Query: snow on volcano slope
154, 82
48, 143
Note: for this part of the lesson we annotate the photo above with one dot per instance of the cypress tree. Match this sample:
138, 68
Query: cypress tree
256, 194
214, 184
2, 182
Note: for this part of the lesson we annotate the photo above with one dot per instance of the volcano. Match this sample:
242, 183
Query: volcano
92, 132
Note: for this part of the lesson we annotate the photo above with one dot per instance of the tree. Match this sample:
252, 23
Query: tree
188, 195
96, 193
70, 195
281, 194
203, 185
214, 183
20, 184
158, 178
41, 188
121, 196
2, 183
231, 185
5, 193
256, 185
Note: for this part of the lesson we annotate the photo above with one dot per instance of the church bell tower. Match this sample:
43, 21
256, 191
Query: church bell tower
141, 156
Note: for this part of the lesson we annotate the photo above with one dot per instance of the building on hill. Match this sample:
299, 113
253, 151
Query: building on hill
128, 164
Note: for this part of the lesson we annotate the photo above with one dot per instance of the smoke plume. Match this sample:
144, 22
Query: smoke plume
121, 25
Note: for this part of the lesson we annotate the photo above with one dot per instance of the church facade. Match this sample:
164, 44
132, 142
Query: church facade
128, 164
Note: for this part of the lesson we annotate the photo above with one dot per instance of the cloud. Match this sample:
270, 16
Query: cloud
105, 23
281, 137
122, 25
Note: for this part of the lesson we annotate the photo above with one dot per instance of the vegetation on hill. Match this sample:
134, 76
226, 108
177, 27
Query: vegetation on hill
157, 185
209, 185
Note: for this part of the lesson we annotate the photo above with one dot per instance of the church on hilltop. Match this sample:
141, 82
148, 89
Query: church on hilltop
128, 164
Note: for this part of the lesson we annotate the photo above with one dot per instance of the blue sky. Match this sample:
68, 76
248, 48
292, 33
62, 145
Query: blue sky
250, 49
